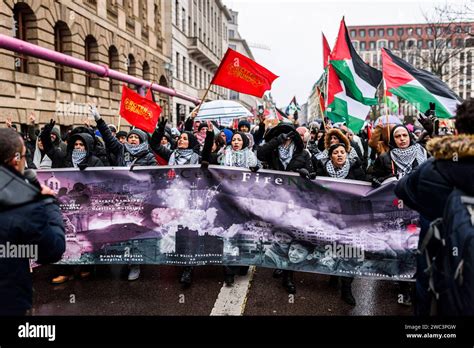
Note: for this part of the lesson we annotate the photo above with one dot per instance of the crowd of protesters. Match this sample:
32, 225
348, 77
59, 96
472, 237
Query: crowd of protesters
378, 152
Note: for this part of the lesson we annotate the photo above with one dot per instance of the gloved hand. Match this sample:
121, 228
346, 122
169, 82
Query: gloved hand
93, 111
304, 173
49, 127
162, 124
254, 169
284, 137
204, 164
431, 110
376, 182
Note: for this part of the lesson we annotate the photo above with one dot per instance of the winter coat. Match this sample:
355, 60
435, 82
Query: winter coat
385, 168
427, 188
42, 227
268, 152
356, 172
55, 151
112, 145
98, 149
91, 160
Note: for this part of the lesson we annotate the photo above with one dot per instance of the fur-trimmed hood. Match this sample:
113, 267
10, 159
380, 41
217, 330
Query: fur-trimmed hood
342, 138
450, 147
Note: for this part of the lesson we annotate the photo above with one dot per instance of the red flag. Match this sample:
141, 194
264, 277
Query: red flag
321, 100
138, 111
149, 95
326, 51
241, 74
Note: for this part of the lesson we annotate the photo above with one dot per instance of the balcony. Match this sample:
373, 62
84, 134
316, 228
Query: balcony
202, 54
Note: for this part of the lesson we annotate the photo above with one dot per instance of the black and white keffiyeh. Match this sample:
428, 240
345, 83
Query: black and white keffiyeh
404, 158
244, 158
78, 156
286, 154
335, 172
183, 156
136, 149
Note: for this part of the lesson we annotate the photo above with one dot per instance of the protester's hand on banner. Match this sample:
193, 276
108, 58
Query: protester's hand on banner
254, 169
93, 111
204, 164
304, 173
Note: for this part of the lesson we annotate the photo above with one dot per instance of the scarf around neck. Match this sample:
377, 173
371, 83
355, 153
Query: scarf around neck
335, 172
286, 154
404, 158
183, 156
78, 156
244, 158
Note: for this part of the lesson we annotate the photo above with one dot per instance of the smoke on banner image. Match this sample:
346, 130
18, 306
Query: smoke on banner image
192, 216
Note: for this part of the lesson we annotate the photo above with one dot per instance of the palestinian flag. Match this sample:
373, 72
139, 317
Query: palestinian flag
391, 101
293, 108
360, 79
343, 108
326, 52
418, 87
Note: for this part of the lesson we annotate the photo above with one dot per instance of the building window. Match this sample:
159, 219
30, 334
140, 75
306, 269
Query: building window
401, 45
371, 32
419, 44
62, 44
362, 46
190, 73
459, 43
382, 44
353, 33
410, 43
381, 32
231, 33
183, 20
391, 44
146, 71
189, 27
355, 44
184, 69
91, 55
362, 33
429, 31
372, 45
114, 63
131, 67
429, 43
400, 31
419, 31
24, 22
195, 76
200, 78
176, 10
177, 65
390, 32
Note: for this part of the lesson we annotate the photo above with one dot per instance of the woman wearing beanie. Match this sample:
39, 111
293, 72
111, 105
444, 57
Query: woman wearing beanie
186, 153
340, 166
284, 150
134, 152
404, 156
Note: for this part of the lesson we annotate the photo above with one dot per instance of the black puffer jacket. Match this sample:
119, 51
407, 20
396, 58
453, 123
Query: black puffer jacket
43, 228
55, 151
98, 149
122, 156
427, 188
268, 152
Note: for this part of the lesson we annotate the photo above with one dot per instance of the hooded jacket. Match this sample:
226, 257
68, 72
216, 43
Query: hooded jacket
42, 227
56, 153
452, 166
98, 148
143, 158
268, 152
91, 160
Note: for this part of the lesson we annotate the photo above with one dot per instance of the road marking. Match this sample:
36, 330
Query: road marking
232, 299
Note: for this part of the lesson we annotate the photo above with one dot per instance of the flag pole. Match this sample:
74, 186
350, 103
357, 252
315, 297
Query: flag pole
321, 107
386, 109
202, 100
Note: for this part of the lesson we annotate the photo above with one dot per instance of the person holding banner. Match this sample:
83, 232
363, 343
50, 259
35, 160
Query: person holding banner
135, 152
284, 151
186, 153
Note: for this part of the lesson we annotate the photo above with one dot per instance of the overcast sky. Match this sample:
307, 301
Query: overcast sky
292, 29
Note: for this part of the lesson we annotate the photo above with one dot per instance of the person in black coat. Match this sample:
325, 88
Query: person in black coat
338, 165
427, 188
43, 228
284, 151
404, 156
135, 152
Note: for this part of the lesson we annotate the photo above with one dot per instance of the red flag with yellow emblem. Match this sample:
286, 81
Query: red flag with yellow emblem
139, 111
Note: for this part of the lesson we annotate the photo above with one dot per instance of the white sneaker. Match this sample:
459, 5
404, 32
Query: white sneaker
134, 272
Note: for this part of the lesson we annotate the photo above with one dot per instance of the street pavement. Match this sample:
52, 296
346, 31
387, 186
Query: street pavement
158, 292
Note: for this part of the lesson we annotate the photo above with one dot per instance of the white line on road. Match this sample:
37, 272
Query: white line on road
232, 299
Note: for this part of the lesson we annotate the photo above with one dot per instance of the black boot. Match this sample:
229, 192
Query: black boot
186, 277
333, 281
346, 291
288, 282
277, 273
229, 275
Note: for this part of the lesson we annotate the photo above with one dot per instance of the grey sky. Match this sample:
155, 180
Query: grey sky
293, 29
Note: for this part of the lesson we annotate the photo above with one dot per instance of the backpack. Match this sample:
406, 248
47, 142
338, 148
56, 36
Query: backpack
449, 251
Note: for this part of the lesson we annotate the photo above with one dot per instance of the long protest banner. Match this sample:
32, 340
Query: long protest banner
186, 215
